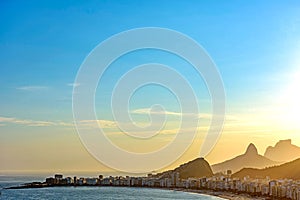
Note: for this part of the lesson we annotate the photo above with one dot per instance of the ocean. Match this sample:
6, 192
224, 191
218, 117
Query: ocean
109, 193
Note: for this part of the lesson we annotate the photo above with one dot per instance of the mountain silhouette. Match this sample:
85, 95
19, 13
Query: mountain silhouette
251, 150
284, 150
196, 168
290, 170
250, 158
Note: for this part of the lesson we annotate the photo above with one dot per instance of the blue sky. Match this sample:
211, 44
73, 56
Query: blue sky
44, 43
255, 46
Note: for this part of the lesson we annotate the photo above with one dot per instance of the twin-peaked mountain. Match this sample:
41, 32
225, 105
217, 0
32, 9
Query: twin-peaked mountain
283, 151
250, 158
248, 164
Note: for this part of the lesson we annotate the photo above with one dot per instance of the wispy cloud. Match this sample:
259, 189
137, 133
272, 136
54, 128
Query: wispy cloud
73, 84
32, 88
234, 123
148, 111
10, 120
171, 113
96, 123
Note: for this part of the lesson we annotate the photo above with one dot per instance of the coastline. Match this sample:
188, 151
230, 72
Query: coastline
221, 194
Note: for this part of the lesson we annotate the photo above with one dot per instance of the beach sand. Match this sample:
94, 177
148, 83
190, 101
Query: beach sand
224, 195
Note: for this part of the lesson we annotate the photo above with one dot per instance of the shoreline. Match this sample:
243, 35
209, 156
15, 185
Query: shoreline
221, 194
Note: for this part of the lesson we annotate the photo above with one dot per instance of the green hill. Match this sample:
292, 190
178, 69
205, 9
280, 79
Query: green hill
196, 168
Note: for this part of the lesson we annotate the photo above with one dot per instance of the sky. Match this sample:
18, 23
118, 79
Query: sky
255, 47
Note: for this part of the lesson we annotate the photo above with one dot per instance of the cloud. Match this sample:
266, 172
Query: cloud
252, 121
10, 120
233, 123
148, 111
73, 84
96, 123
32, 88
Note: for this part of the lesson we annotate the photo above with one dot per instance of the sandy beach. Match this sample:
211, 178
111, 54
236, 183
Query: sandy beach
224, 195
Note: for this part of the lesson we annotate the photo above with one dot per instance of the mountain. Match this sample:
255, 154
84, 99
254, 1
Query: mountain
196, 168
289, 170
284, 150
250, 158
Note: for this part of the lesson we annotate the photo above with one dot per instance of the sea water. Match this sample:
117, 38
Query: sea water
82, 192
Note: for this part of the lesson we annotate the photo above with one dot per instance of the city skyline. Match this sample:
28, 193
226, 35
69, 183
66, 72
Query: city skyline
43, 44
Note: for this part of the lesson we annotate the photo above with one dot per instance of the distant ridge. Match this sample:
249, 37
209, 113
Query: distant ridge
196, 168
283, 150
290, 170
250, 158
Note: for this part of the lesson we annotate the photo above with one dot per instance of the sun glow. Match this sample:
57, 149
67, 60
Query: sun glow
289, 105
